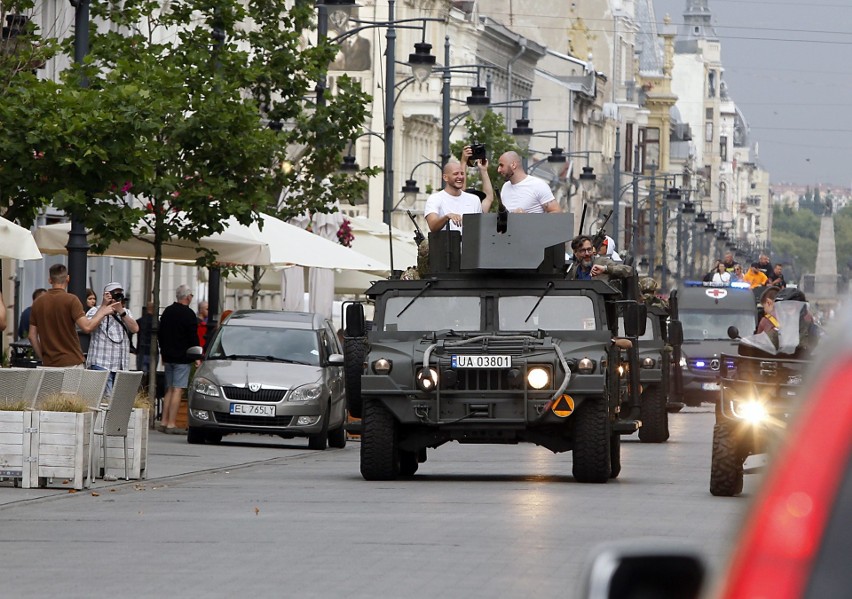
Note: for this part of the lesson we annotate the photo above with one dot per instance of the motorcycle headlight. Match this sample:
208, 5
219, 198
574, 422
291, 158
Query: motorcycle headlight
648, 362
309, 392
751, 410
427, 379
203, 386
538, 377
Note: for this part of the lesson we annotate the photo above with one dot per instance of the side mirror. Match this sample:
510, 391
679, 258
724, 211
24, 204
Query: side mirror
335, 359
675, 332
633, 571
635, 319
733, 332
196, 352
356, 323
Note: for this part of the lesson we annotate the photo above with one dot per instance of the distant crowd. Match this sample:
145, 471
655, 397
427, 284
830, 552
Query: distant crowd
759, 274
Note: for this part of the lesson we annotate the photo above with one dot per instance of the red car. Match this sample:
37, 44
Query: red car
797, 539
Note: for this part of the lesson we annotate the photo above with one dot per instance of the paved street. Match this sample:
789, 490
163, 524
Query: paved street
264, 518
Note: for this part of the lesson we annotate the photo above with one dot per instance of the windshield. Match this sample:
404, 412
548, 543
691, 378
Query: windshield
257, 342
554, 312
434, 313
707, 324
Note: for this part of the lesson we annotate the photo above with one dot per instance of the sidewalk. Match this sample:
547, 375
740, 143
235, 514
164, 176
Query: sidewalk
171, 455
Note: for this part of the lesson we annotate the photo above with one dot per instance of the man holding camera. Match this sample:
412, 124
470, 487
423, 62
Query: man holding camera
109, 346
522, 193
451, 203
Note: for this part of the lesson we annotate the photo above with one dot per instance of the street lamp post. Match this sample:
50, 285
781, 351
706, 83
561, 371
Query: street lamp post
616, 178
78, 245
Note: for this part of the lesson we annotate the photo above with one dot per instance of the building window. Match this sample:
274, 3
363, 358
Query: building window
711, 84
628, 147
649, 148
708, 131
723, 197
723, 147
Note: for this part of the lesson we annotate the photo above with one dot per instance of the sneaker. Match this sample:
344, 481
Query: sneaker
173, 430
159, 426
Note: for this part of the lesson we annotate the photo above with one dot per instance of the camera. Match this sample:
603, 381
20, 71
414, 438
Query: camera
478, 152
117, 296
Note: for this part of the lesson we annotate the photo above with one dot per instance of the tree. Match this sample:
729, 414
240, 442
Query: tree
171, 135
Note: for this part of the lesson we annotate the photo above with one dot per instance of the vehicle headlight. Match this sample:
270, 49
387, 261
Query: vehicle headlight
205, 387
586, 366
538, 377
309, 392
648, 362
683, 363
751, 410
427, 379
382, 366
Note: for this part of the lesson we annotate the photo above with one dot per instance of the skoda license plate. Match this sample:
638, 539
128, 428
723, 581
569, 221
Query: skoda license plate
482, 361
252, 409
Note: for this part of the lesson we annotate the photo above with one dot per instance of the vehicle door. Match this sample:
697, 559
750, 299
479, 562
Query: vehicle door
333, 372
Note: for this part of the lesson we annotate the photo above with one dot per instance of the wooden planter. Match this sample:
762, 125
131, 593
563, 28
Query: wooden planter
44, 448
16, 457
137, 449
62, 439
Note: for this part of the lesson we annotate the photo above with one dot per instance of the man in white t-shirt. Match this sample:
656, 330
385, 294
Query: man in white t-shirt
522, 193
451, 203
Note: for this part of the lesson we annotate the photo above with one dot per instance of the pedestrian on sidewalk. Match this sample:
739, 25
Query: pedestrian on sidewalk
53, 333
178, 332
109, 346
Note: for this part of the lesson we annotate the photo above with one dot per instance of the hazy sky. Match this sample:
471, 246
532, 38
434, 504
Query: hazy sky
788, 66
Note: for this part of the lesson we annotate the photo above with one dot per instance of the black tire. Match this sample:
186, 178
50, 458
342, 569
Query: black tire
674, 407
319, 441
614, 455
214, 437
379, 443
408, 463
591, 442
354, 353
195, 436
654, 416
726, 467
337, 437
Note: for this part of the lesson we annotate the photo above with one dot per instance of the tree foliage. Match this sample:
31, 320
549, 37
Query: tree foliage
795, 234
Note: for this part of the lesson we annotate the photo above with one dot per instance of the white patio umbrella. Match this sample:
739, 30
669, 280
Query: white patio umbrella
233, 247
373, 239
277, 244
17, 242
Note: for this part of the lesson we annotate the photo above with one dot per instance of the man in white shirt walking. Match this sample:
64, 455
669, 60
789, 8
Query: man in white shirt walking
521, 192
451, 203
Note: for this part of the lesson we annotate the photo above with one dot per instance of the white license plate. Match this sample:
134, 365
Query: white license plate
482, 361
711, 386
252, 409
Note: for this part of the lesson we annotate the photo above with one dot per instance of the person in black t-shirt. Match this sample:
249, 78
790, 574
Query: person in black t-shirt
178, 332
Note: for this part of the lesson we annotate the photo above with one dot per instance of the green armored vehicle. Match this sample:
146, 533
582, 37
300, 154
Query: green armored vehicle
493, 345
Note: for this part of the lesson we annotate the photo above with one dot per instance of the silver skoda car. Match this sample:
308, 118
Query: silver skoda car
270, 372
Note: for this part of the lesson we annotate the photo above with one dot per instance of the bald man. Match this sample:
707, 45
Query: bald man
451, 203
522, 193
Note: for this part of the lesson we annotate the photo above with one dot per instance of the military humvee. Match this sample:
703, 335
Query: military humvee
493, 345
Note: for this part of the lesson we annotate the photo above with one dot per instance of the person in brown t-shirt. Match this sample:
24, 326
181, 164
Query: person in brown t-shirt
53, 333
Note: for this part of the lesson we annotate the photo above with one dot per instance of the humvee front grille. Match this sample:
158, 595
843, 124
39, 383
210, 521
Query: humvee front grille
482, 380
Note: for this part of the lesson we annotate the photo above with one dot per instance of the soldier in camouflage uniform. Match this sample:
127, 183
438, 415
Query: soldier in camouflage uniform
648, 288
